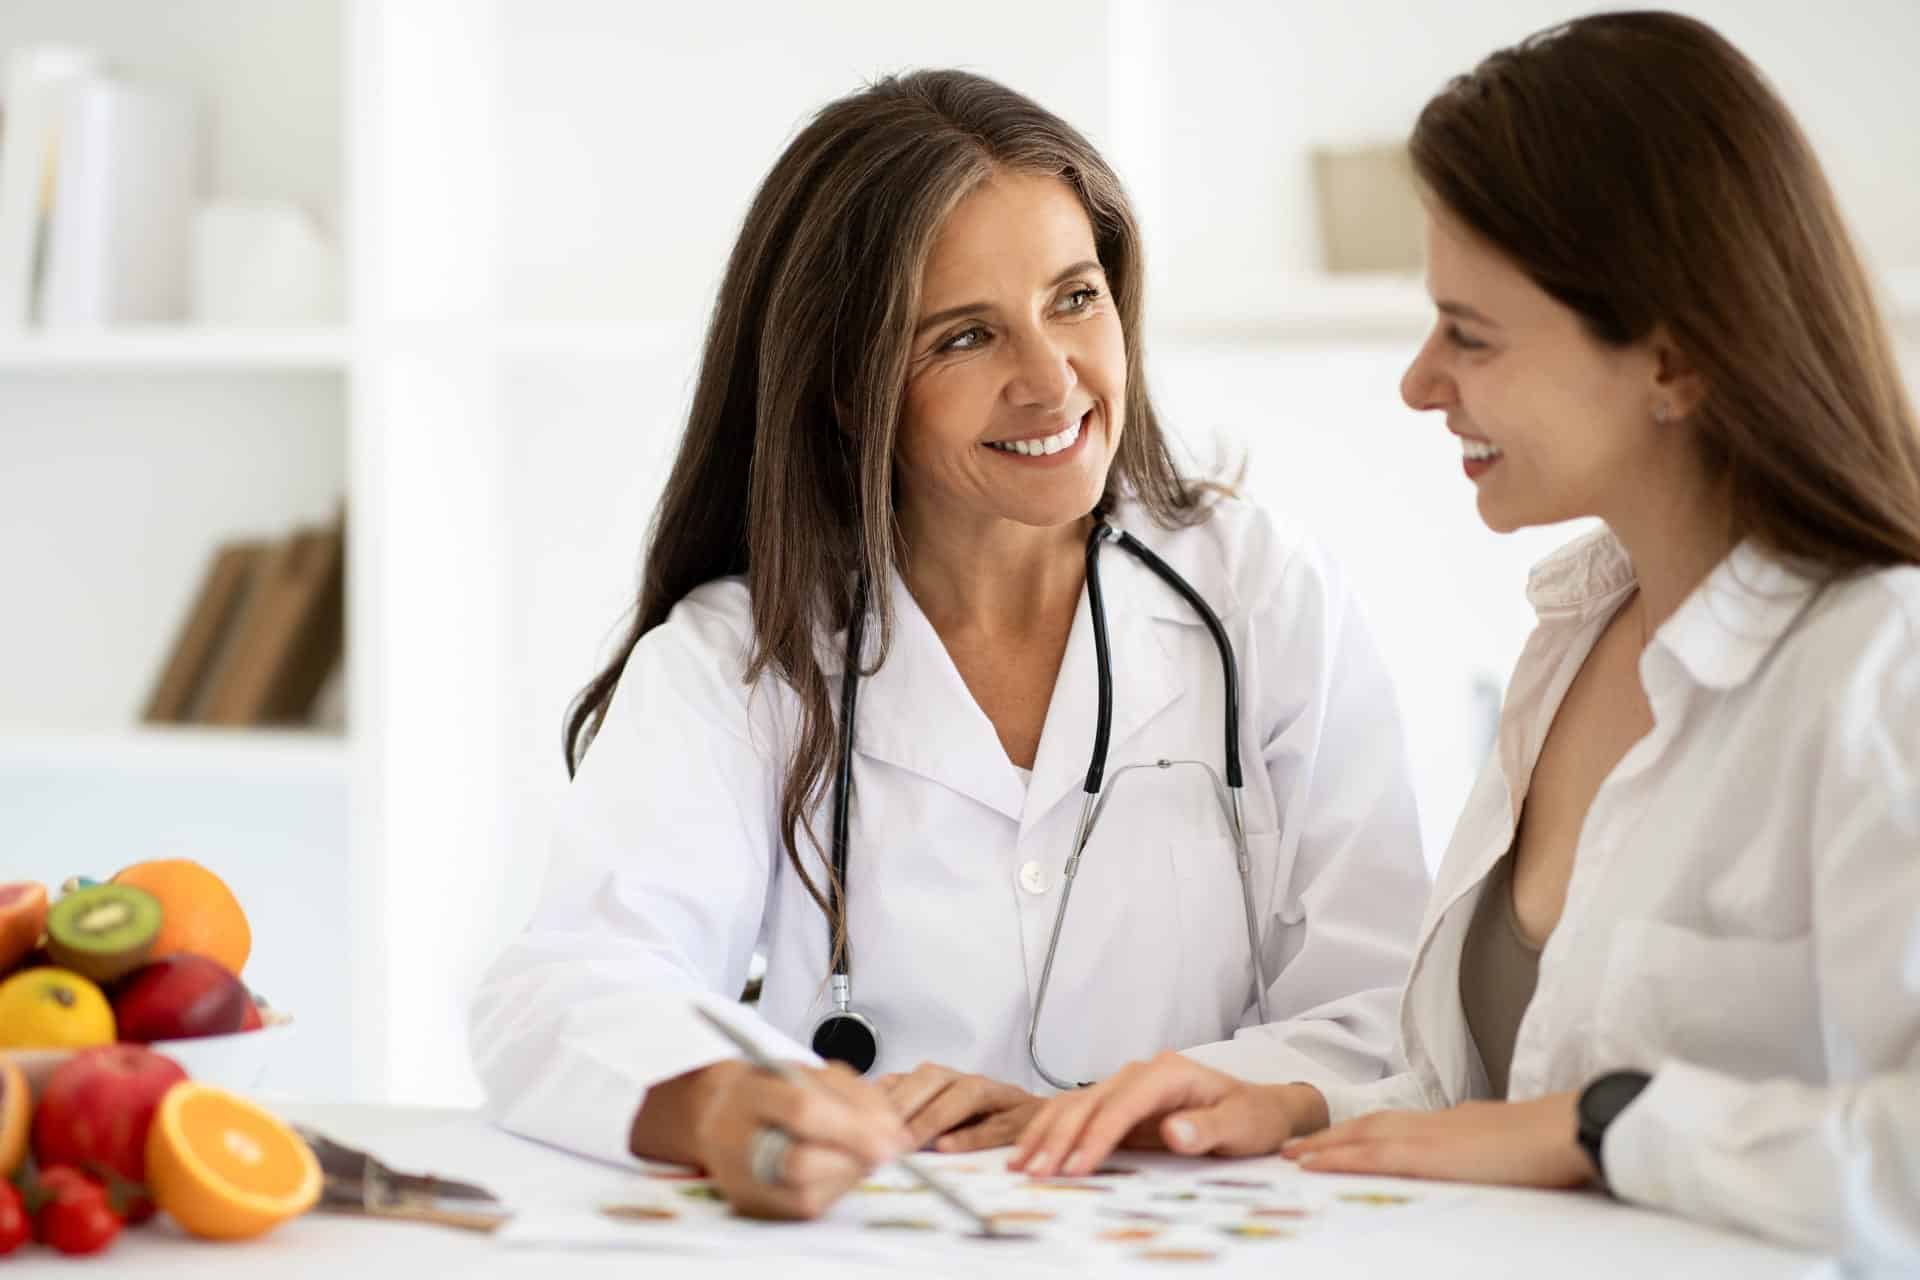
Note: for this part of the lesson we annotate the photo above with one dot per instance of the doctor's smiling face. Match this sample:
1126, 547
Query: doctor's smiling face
1017, 373
1553, 423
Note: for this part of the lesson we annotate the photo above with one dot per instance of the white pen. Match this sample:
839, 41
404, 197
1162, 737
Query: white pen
759, 1058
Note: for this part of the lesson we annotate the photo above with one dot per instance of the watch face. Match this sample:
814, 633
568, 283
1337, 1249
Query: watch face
1608, 1096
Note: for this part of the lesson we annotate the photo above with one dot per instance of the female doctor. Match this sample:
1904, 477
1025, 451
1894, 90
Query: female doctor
1675, 943
919, 434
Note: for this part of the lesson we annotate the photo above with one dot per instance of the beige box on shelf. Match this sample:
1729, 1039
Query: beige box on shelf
1370, 218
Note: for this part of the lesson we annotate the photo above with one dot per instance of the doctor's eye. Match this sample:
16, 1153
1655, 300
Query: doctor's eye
1079, 299
966, 340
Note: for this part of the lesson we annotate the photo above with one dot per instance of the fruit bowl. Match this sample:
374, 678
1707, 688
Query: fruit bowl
238, 1062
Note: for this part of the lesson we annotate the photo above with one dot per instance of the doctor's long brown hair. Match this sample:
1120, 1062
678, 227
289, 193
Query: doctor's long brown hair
785, 472
1640, 170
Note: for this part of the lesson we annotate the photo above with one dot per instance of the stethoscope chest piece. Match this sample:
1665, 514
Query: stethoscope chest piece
846, 1036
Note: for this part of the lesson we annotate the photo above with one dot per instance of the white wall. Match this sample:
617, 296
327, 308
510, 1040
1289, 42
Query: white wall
559, 181
1208, 117
1253, 85
632, 138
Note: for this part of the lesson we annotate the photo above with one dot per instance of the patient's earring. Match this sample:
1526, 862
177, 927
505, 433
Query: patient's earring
1661, 413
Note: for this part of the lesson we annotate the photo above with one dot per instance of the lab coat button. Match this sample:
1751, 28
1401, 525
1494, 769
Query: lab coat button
1034, 878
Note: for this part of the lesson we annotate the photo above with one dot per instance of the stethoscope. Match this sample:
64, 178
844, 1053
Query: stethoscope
847, 1035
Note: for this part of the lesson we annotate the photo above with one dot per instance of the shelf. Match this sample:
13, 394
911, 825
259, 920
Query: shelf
161, 350
1328, 310
1312, 311
607, 342
229, 755
1902, 292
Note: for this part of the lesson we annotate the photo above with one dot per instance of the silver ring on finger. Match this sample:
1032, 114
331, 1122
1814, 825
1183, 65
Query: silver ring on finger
767, 1153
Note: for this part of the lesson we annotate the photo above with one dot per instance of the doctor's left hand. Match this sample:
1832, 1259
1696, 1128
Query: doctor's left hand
972, 1112
1171, 1103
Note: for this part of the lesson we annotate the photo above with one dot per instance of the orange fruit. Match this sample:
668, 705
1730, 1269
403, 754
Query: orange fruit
16, 1116
198, 913
48, 1008
224, 1168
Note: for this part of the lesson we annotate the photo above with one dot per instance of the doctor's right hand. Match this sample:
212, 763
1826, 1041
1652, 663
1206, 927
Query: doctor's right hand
1171, 1103
824, 1140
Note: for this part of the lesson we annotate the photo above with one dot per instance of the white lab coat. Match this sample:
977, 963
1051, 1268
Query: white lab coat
668, 871
1743, 918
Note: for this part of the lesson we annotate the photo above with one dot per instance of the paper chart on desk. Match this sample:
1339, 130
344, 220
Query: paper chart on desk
1139, 1207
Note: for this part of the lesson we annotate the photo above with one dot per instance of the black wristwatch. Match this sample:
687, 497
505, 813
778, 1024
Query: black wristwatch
1602, 1101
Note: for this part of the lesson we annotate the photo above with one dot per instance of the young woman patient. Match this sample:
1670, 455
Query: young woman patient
1675, 942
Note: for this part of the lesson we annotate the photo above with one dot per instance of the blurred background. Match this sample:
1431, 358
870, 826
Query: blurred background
415, 287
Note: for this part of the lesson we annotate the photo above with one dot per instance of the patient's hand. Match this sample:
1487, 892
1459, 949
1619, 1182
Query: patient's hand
1519, 1144
957, 1112
1171, 1102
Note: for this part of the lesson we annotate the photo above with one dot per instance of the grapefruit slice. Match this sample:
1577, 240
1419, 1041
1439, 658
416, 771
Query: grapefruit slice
16, 1116
23, 918
224, 1168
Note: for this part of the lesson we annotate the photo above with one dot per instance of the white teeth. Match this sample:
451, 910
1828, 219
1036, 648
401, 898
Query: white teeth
1034, 448
1477, 450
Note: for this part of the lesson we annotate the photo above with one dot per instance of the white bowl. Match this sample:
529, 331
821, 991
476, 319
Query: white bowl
238, 1062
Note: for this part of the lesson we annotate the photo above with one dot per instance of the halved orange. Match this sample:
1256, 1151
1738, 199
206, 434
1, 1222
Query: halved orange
225, 1168
16, 1116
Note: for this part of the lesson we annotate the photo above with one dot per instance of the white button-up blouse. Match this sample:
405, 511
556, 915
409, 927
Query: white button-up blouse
1743, 918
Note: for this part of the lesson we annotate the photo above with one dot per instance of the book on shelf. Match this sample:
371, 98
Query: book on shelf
205, 631
120, 228
34, 91
262, 636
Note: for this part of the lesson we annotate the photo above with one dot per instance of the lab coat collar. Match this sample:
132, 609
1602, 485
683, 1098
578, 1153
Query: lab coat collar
916, 713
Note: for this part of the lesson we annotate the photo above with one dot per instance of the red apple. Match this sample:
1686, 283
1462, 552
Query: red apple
253, 1021
179, 997
97, 1107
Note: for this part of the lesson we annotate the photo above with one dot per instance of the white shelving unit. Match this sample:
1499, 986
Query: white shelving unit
534, 198
1902, 289
177, 350
237, 755
125, 458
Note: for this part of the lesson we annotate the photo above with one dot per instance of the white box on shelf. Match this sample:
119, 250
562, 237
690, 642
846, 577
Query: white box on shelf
127, 179
259, 263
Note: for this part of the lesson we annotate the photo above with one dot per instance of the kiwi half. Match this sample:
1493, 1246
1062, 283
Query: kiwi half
104, 931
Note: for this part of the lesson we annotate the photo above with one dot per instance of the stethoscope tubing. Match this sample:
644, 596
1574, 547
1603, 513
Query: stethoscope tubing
844, 1019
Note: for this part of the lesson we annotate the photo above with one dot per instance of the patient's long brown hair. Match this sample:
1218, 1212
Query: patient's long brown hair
785, 472
1639, 169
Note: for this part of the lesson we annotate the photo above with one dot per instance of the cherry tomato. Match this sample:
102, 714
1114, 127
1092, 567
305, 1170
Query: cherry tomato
15, 1230
78, 1217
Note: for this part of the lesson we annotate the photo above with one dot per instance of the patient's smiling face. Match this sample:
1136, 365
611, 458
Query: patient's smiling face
1554, 423
1017, 375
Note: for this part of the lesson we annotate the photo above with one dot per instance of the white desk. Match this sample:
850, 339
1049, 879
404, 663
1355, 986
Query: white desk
1505, 1233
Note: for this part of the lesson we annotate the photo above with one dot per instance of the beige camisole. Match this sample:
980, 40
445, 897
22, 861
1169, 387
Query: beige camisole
1498, 971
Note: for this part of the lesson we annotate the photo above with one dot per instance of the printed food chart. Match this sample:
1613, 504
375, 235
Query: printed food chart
1145, 1209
